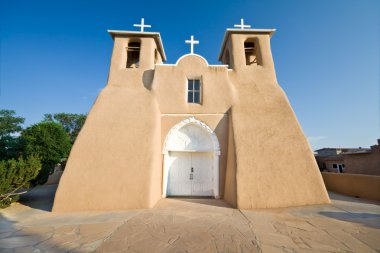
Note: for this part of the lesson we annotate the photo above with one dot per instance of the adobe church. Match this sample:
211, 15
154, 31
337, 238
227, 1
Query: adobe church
190, 129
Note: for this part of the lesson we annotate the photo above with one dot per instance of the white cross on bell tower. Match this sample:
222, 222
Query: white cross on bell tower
242, 26
142, 25
192, 42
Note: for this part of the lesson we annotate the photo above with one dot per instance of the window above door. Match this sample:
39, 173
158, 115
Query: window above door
194, 94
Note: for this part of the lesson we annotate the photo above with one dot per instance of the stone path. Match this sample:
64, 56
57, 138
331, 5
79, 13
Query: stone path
184, 225
347, 225
191, 225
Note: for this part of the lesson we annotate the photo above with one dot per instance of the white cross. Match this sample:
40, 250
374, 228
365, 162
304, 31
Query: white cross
242, 26
192, 42
142, 25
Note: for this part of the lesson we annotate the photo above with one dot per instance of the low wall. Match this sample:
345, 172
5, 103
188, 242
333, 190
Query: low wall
363, 186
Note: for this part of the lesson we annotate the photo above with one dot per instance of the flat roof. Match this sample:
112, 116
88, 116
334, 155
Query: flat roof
229, 31
155, 35
343, 148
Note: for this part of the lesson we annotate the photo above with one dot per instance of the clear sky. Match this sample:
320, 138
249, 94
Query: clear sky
55, 54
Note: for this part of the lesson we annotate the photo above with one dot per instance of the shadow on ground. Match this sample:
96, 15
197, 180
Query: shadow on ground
203, 201
352, 199
41, 198
16, 238
366, 219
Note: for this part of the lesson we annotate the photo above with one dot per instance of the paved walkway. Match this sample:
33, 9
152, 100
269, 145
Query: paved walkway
188, 225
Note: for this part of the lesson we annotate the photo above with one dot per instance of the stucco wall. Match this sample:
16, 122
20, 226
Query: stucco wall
230, 191
275, 164
367, 163
363, 186
113, 163
265, 161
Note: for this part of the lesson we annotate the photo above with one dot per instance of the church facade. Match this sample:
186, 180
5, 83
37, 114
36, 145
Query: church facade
190, 129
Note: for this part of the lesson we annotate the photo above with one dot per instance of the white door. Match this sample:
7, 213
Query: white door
179, 183
190, 174
201, 164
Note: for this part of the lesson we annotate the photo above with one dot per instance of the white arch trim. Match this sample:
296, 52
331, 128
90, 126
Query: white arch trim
192, 120
216, 153
185, 55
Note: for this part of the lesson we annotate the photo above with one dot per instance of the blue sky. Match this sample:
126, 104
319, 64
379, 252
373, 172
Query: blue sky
54, 55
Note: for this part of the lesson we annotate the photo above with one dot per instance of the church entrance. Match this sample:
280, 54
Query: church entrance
191, 160
190, 174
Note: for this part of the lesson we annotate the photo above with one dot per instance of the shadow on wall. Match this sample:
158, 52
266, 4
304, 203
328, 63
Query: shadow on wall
366, 219
147, 78
40, 197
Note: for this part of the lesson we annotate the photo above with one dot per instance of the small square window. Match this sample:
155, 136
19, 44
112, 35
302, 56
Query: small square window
194, 91
335, 166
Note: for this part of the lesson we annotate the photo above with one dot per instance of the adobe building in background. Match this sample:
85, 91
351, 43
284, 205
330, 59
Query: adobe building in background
350, 160
190, 129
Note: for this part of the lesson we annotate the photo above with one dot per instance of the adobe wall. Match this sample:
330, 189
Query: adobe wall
275, 166
113, 163
172, 79
367, 163
230, 190
116, 161
363, 186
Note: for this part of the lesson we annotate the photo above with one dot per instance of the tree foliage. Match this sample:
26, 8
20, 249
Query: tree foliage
72, 123
50, 142
16, 175
10, 126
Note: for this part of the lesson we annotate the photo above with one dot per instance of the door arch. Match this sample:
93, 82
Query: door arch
191, 136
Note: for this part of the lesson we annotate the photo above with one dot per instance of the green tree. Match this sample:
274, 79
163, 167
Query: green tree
16, 175
10, 127
50, 142
72, 123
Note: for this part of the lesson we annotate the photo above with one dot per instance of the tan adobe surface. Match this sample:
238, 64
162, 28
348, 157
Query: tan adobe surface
117, 161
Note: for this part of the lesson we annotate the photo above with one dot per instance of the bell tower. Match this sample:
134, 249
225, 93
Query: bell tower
134, 53
247, 50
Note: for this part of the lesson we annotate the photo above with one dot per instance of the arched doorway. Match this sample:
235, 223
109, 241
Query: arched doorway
191, 160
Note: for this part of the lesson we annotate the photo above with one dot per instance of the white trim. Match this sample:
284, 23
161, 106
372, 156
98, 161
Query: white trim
192, 120
183, 56
187, 114
164, 64
215, 151
221, 65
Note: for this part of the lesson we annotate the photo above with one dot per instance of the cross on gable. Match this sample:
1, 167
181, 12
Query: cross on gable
142, 25
242, 26
192, 42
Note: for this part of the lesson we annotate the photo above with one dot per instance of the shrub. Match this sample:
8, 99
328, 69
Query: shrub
10, 127
72, 123
16, 175
50, 142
